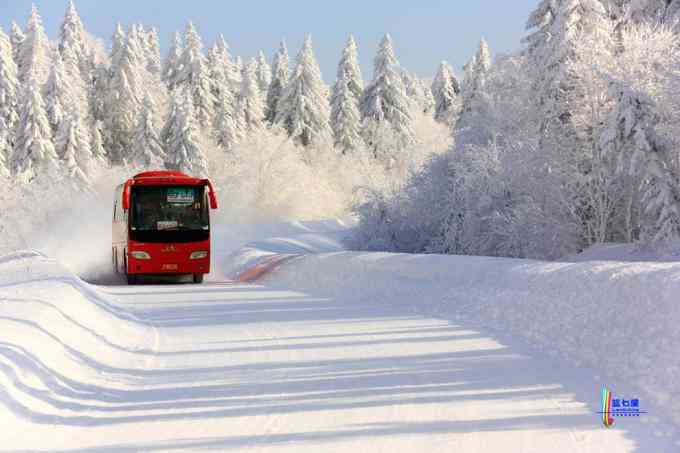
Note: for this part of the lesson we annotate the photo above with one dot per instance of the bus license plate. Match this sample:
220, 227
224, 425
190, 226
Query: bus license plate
169, 267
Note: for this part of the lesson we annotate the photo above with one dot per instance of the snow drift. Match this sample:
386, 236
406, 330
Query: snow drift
63, 341
620, 318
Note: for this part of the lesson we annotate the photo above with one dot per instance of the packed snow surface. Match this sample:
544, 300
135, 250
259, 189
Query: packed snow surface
338, 351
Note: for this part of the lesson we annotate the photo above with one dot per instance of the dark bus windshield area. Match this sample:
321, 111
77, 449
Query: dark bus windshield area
169, 213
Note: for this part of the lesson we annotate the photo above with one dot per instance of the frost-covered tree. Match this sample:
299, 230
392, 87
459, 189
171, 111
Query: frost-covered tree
419, 93
228, 127
635, 142
385, 106
232, 70
303, 110
118, 44
445, 89
346, 95
171, 65
5, 149
556, 28
195, 77
57, 93
569, 104
34, 52
349, 69
228, 124
476, 71
99, 153
123, 99
239, 67
667, 11
250, 102
17, 38
280, 76
9, 85
149, 69
147, 151
654, 161
34, 152
264, 73
218, 61
153, 53
472, 126
72, 144
73, 43
181, 137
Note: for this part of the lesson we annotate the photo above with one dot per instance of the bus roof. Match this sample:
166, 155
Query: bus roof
153, 178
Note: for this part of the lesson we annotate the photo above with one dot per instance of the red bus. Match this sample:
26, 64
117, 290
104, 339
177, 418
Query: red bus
161, 225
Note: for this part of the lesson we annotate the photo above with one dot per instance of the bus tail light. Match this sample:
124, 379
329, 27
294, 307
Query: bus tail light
140, 255
198, 255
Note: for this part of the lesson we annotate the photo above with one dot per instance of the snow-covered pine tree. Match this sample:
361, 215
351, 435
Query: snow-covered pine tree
264, 73
567, 127
419, 94
99, 153
385, 106
150, 70
475, 74
73, 146
101, 77
56, 93
34, 52
227, 127
666, 11
239, 68
181, 137
232, 70
34, 152
5, 149
227, 131
73, 43
557, 25
445, 89
345, 117
250, 103
171, 65
280, 76
218, 74
350, 68
9, 85
304, 111
147, 151
123, 99
17, 38
472, 127
194, 76
118, 41
153, 53
654, 161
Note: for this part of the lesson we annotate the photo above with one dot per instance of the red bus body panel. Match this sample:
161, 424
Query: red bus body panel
166, 258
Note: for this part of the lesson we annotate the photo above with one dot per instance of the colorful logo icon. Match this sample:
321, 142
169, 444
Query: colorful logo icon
617, 407
606, 406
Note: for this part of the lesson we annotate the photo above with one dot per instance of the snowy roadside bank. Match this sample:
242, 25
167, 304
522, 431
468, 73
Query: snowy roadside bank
620, 318
238, 248
62, 339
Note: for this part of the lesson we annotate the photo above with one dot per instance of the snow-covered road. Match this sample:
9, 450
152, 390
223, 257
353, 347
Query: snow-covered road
339, 351
249, 367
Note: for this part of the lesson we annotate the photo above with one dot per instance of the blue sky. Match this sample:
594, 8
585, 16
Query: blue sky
425, 32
